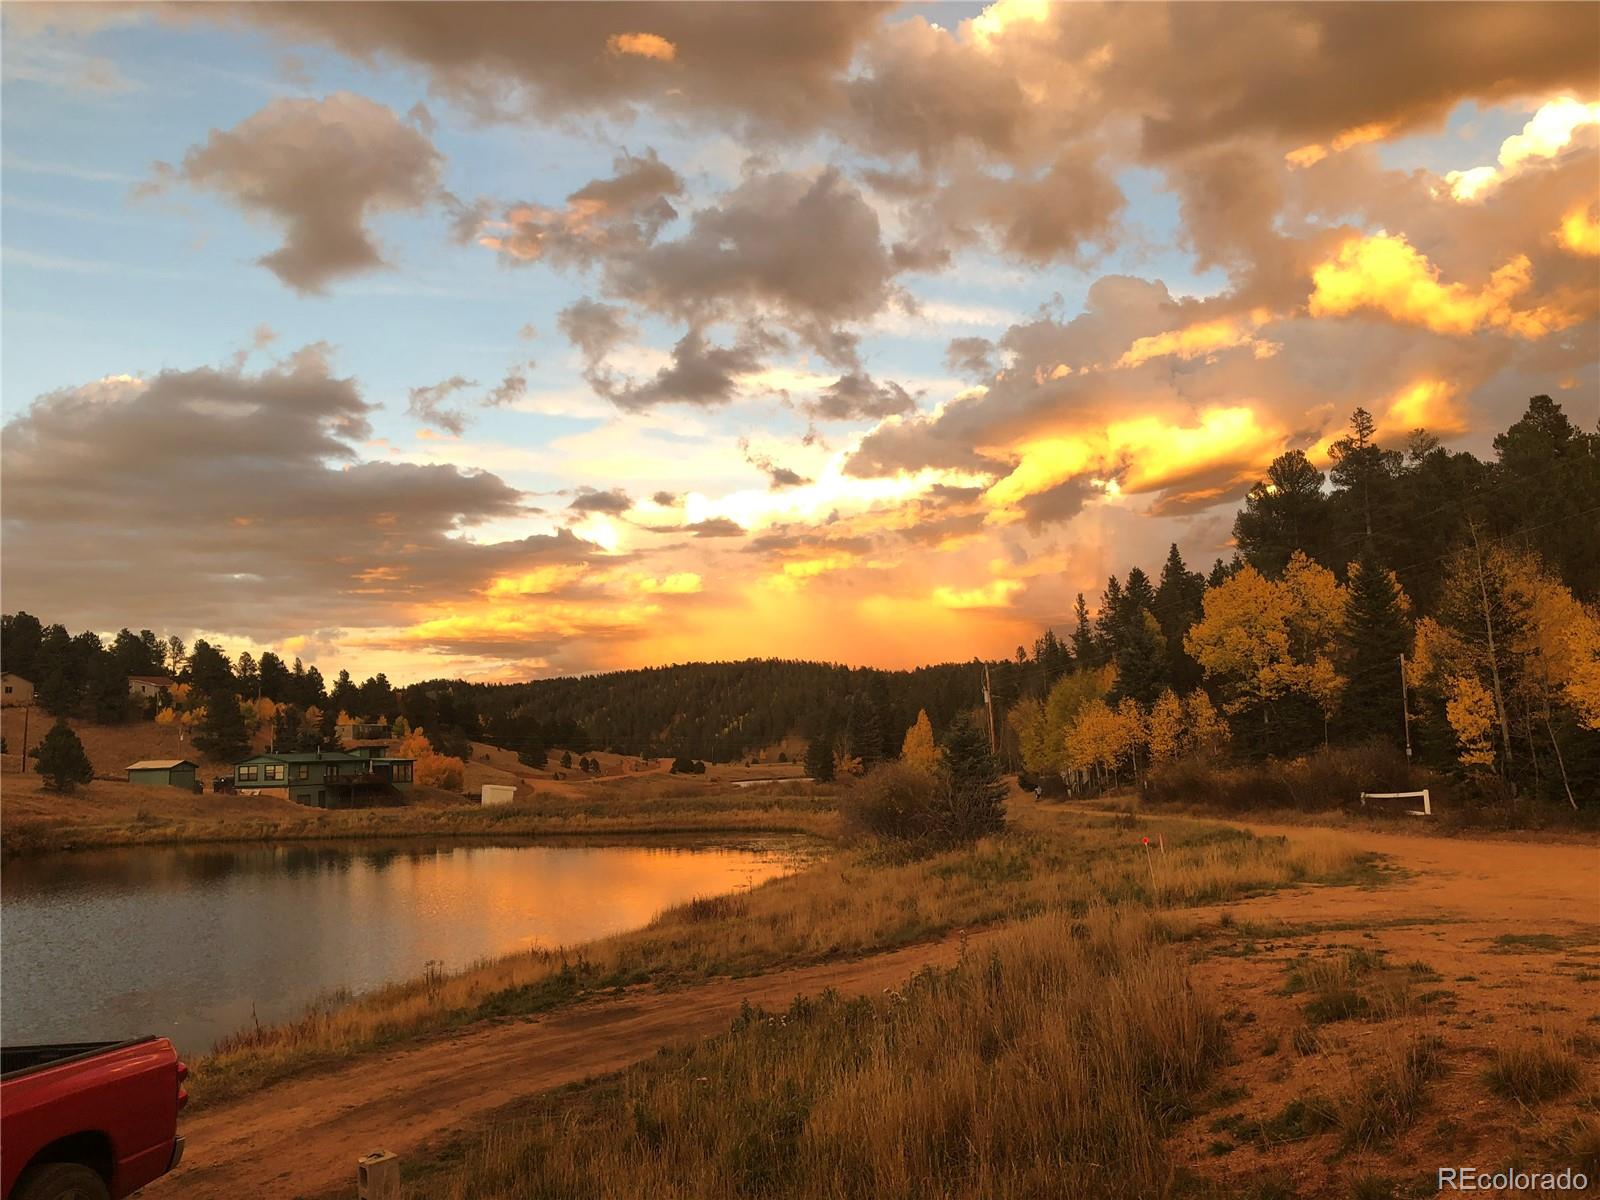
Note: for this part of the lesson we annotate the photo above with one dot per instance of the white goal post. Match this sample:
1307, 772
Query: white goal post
1425, 811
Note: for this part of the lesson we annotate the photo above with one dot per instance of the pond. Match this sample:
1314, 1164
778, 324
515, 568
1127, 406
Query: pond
196, 942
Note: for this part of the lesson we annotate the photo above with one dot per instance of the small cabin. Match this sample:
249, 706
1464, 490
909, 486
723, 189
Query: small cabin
164, 772
148, 687
18, 690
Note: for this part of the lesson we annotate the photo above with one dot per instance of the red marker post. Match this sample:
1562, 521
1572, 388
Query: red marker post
1150, 862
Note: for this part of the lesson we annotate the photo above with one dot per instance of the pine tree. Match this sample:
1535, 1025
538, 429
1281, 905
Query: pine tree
1283, 513
1376, 633
222, 734
1179, 602
1084, 650
1137, 594
1106, 620
975, 794
1141, 660
819, 758
863, 735
533, 752
62, 760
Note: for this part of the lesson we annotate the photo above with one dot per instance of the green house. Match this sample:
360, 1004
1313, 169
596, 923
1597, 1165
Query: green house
164, 772
326, 778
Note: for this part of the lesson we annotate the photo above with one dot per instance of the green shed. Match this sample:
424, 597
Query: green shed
164, 772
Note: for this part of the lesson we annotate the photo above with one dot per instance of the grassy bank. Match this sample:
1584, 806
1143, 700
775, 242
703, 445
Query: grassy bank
1049, 1063
109, 815
861, 900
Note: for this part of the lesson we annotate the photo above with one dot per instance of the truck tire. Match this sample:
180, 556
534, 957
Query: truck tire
61, 1181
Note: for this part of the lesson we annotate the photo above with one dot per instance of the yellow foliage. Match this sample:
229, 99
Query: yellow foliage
440, 771
1265, 638
414, 744
1470, 710
265, 709
918, 750
845, 763
166, 716
1207, 730
1166, 727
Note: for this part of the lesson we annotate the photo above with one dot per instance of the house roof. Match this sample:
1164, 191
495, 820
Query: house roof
159, 764
304, 756
14, 675
152, 679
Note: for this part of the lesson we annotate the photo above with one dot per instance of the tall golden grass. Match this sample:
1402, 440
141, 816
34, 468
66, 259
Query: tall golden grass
856, 902
1046, 1065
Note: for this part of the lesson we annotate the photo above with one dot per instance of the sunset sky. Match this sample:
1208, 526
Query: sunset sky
507, 341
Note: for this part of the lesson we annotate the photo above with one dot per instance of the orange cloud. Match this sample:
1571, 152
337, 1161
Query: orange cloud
642, 45
1144, 454
1386, 273
1314, 153
1580, 231
1429, 404
1203, 338
997, 593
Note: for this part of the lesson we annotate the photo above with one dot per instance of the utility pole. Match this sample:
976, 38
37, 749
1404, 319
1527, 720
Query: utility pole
1405, 707
988, 704
26, 710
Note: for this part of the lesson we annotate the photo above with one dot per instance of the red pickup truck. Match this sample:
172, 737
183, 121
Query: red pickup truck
88, 1120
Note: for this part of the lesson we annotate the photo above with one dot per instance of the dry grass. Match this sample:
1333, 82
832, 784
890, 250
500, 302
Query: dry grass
120, 814
854, 903
1531, 1068
1387, 1098
1047, 1065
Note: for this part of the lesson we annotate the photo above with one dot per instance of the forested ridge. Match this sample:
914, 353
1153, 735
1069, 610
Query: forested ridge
1482, 574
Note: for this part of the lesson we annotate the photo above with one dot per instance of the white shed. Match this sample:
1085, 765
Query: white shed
498, 793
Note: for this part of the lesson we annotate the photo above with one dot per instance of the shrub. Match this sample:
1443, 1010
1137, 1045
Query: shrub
441, 771
895, 801
1530, 1069
1328, 778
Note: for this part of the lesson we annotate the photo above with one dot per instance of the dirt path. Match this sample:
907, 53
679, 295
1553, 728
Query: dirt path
303, 1136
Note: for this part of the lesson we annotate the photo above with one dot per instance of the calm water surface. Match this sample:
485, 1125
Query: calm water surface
188, 941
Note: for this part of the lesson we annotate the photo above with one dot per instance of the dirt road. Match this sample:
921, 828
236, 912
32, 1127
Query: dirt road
302, 1137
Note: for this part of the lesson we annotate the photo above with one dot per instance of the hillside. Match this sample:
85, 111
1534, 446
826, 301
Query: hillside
112, 747
717, 711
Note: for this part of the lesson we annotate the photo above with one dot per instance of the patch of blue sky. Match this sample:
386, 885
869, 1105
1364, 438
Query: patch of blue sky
1471, 137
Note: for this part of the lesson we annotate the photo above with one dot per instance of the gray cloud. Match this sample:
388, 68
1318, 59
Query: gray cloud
970, 357
614, 502
857, 397
700, 373
211, 499
319, 169
594, 328
428, 404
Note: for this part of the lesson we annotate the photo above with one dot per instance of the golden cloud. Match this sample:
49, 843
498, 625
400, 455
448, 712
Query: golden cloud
642, 45
1429, 404
997, 593
1579, 231
1314, 153
1203, 338
1143, 454
1386, 273
1548, 132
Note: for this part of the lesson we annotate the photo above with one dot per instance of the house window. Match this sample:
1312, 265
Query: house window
402, 772
272, 773
331, 771
8, 689
303, 771
247, 774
